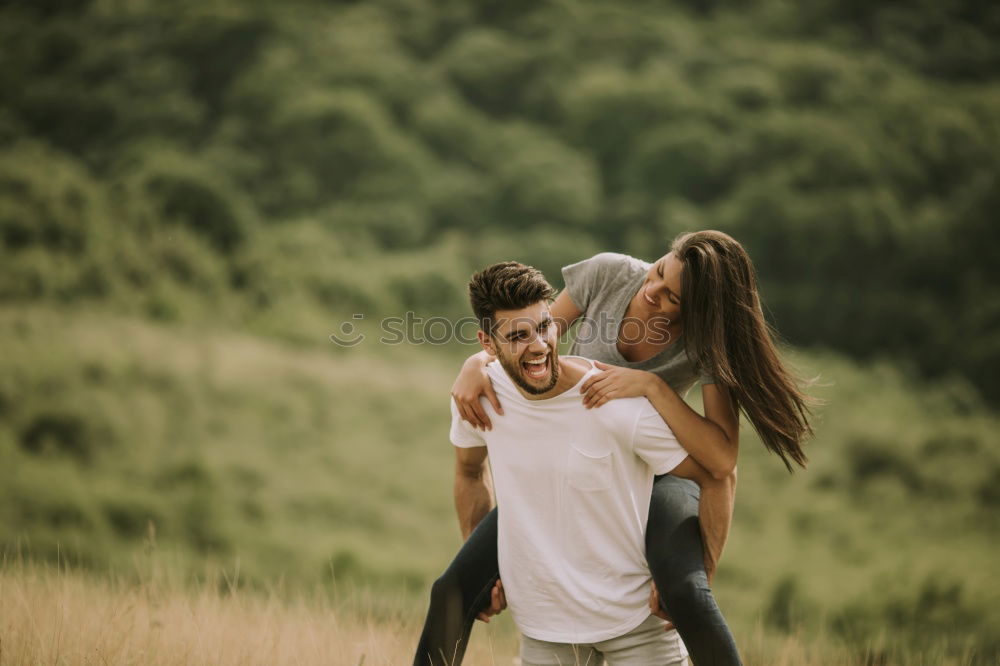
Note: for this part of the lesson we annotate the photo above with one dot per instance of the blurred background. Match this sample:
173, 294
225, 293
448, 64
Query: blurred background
195, 195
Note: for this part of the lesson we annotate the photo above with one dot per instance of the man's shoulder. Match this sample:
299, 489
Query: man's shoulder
635, 407
578, 365
621, 414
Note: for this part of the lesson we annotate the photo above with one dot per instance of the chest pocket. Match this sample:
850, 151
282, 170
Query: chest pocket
588, 472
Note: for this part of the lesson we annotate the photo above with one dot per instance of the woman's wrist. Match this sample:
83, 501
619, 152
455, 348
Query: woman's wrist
654, 385
478, 360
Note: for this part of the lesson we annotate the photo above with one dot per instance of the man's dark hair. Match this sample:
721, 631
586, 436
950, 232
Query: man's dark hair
508, 285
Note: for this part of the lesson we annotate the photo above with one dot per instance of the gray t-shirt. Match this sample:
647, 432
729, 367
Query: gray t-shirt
602, 287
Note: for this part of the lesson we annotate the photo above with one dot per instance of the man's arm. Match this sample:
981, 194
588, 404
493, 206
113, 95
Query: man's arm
715, 510
473, 494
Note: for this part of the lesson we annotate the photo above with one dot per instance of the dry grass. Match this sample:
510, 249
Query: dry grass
52, 617
49, 618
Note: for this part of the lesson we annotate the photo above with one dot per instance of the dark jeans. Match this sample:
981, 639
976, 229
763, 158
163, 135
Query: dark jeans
674, 553
676, 560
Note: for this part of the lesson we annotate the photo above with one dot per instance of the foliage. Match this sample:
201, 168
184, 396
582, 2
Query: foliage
147, 152
172, 173
331, 468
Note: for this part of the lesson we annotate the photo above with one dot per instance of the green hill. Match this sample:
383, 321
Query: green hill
240, 160
318, 465
194, 196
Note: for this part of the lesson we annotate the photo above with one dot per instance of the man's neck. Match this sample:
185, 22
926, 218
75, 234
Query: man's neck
571, 370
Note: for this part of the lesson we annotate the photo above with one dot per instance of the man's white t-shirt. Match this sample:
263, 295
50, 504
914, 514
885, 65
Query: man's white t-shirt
573, 488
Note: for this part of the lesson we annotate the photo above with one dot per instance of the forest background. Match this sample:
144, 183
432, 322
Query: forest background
197, 199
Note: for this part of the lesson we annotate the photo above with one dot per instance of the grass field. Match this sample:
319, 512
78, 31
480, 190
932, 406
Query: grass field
297, 497
51, 616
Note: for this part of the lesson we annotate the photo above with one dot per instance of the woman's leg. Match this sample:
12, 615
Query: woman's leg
458, 596
674, 553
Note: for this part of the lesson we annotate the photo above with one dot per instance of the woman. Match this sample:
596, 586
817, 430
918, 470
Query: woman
693, 315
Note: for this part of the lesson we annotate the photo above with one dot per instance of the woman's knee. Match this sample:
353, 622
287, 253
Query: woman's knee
690, 597
673, 496
673, 533
446, 589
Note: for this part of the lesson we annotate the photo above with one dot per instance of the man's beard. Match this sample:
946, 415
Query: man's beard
516, 373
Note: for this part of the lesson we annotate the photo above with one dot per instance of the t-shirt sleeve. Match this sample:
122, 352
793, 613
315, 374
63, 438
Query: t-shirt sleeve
654, 442
584, 278
462, 434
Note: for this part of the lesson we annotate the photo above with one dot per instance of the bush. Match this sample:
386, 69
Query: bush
131, 517
137, 163
162, 186
65, 433
489, 68
341, 143
690, 161
53, 218
870, 460
609, 110
542, 181
202, 524
938, 607
786, 607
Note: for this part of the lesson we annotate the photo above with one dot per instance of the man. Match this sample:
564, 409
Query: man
574, 486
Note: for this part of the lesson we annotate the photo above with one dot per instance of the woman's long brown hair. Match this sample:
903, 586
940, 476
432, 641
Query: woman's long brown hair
725, 334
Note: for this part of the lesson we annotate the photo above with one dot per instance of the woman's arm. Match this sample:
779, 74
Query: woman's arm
471, 384
712, 440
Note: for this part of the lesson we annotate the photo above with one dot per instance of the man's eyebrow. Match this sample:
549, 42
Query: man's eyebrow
547, 320
510, 334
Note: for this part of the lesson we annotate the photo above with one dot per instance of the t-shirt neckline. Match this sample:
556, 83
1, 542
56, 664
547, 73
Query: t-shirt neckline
543, 401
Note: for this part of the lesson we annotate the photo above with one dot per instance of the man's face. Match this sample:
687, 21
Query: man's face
526, 343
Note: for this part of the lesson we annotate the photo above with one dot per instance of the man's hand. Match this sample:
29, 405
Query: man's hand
656, 609
498, 602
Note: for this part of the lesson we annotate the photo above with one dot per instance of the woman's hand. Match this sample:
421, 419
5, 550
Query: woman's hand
615, 382
472, 383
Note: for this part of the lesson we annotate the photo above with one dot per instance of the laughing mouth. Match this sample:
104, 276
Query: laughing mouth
536, 368
648, 299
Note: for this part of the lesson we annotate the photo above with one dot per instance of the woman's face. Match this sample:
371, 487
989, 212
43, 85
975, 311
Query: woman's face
660, 293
